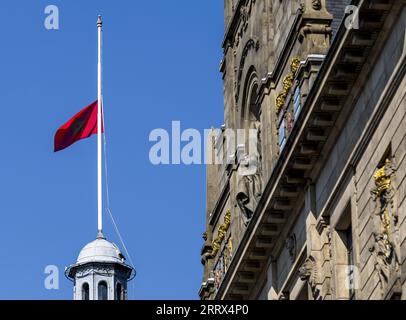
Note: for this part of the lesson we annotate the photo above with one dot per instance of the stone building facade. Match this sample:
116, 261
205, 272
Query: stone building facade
323, 213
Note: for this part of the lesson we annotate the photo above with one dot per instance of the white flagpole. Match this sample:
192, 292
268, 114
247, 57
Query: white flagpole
99, 128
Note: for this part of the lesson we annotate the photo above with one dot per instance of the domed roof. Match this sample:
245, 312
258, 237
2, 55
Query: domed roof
100, 250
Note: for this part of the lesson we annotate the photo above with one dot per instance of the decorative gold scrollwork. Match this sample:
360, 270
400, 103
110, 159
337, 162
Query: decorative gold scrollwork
287, 84
221, 234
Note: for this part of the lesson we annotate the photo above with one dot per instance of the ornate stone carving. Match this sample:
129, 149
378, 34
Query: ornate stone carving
316, 4
81, 273
245, 13
249, 191
290, 245
207, 251
386, 260
302, 7
287, 84
249, 180
309, 273
99, 269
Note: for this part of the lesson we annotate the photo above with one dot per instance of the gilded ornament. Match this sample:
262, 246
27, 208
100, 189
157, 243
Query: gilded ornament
382, 179
287, 84
383, 194
221, 234
386, 260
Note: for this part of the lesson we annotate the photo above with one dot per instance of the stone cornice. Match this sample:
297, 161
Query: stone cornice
98, 268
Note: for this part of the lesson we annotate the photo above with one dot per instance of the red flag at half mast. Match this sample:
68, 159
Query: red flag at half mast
80, 126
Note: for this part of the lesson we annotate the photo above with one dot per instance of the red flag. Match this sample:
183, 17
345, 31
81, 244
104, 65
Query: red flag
81, 126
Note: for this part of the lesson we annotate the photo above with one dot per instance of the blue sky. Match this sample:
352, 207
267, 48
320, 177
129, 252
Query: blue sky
160, 64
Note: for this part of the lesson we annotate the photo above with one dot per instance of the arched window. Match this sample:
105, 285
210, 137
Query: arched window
251, 111
254, 111
249, 188
102, 290
85, 291
119, 292
251, 120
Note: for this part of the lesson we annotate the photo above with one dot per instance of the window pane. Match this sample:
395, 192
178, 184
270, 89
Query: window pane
119, 292
85, 291
282, 134
102, 290
296, 102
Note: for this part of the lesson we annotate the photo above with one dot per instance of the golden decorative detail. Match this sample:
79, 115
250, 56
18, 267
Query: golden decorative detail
383, 192
287, 84
221, 234
382, 180
295, 65
383, 250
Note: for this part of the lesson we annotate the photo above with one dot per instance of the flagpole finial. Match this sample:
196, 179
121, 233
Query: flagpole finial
99, 21
100, 235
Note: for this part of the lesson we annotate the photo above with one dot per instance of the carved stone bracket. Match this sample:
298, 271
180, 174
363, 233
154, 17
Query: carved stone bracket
207, 251
314, 30
309, 273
